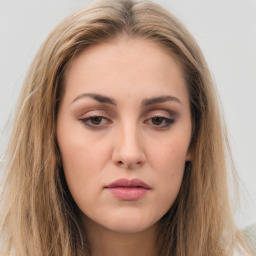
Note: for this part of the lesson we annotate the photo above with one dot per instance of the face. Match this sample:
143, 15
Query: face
123, 130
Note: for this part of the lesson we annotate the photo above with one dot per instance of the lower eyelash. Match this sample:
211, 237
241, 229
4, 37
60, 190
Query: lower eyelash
168, 122
85, 121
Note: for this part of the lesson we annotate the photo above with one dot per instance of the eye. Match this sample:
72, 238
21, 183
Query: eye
160, 121
95, 121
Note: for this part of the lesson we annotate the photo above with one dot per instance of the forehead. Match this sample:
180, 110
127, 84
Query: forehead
128, 65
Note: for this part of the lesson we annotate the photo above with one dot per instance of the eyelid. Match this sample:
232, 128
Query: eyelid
86, 121
87, 118
166, 117
161, 113
165, 122
96, 111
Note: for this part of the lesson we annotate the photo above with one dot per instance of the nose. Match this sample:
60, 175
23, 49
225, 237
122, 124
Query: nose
128, 152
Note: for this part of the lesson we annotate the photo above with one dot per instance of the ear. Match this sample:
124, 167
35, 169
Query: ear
188, 156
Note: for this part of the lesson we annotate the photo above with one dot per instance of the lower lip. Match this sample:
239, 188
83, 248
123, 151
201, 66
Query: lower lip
128, 193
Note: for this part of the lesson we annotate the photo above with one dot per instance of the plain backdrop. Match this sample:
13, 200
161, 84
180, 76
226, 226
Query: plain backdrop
225, 31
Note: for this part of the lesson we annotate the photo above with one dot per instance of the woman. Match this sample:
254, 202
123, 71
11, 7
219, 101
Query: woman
118, 147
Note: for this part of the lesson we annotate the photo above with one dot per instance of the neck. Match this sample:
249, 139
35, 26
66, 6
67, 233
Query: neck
110, 243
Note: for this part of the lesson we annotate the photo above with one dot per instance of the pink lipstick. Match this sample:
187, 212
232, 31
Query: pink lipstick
128, 190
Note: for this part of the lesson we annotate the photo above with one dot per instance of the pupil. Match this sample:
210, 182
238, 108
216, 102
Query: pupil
157, 120
96, 120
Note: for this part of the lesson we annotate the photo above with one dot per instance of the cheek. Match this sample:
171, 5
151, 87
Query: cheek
83, 160
170, 174
80, 151
168, 162
169, 156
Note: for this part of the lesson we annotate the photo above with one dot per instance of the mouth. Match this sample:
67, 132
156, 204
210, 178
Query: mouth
128, 190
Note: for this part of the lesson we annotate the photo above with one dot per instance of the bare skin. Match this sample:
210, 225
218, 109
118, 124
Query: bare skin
121, 244
125, 115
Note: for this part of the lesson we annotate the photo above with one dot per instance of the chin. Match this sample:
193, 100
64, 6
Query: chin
128, 223
128, 228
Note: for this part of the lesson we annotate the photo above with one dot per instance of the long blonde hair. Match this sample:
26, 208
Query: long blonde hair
39, 216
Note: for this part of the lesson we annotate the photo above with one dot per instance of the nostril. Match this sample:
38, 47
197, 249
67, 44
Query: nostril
129, 164
120, 163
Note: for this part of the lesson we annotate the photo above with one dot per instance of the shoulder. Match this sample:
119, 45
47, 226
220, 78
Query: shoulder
250, 235
250, 238
241, 253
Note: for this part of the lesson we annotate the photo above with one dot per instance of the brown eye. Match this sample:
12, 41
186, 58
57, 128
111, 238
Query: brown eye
96, 120
157, 120
160, 122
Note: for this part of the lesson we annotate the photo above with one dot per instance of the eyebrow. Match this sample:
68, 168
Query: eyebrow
159, 99
146, 102
98, 97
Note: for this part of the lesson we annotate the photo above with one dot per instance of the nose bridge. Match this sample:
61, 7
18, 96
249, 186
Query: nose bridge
129, 149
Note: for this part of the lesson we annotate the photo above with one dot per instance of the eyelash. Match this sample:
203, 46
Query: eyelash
168, 121
88, 121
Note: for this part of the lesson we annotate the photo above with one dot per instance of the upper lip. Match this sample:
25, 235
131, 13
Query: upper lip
128, 183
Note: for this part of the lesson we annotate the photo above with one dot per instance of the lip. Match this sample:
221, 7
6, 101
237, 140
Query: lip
128, 190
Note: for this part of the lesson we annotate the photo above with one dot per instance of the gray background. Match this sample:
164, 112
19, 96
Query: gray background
226, 32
